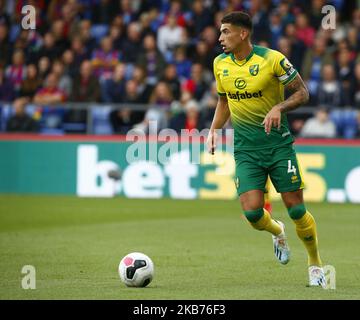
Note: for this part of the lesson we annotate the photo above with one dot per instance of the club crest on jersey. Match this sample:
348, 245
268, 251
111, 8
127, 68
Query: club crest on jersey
240, 83
254, 69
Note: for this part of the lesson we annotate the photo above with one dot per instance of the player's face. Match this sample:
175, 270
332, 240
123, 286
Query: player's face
231, 37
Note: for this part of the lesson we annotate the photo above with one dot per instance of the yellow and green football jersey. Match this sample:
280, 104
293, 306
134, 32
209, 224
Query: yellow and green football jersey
252, 87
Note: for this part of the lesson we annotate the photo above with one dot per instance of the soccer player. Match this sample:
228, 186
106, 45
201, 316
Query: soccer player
250, 82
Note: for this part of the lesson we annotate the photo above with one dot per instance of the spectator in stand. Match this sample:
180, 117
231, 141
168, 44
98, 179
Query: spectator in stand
113, 89
298, 48
83, 30
193, 119
286, 15
304, 32
64, 81
259, 10
7, 92
151, 59
104, 11
319, 126
208, 105
117, 36
20, 121
187, 115
145, 24
5, 45
49, 49
329, 93
201, 55
161, 96
285, 48
85, 86
169, 36
355, 92
4, 16
314, 60
127, 10
171, 78
50, 93
54, 10
122, 120
16, 72
132, 43
196, 84
211, 35
32, 83
315, 13
182, 63
79, 50
275, 28
353, 37
175, 10
158, 111
61, 41
69, 13
44, 65
132, 95
345, 74
155, 19
200, 18
21, 42
105, 59
144, 89
189, 118
70, 65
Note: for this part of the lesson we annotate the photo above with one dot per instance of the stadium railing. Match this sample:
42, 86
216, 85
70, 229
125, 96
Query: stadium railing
52, 118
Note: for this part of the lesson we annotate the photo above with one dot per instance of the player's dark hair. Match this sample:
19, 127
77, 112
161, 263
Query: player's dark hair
238, 18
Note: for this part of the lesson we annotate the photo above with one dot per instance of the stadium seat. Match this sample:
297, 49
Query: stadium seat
14, 32
1, 121
5, 113
52, 131
346, 122
98, 31
101, 124
74, 127
51, 120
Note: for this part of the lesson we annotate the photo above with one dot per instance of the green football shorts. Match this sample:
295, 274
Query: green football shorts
281, 164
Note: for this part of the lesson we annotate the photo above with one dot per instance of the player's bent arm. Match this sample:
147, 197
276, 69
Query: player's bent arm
221, 115
299, 96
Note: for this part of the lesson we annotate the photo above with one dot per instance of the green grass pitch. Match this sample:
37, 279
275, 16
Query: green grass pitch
201, 249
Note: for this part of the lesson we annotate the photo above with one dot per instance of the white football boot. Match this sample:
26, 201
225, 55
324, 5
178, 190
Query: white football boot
317, 277
281, 248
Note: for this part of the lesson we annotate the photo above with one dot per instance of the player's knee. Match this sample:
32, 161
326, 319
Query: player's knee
297, 212
253, 216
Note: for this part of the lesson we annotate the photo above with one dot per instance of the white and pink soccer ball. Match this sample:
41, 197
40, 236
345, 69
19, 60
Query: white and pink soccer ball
136, 270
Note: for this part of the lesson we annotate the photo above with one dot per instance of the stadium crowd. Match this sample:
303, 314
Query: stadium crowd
159, 53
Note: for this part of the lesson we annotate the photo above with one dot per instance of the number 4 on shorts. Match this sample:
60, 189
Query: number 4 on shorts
291, 168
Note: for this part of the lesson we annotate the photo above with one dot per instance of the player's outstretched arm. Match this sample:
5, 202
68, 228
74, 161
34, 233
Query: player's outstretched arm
221, 115
299, 96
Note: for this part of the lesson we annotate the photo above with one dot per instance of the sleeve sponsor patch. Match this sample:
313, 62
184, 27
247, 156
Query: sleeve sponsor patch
287, 66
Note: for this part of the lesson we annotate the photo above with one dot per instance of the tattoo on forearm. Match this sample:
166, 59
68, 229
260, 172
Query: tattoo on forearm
300, 95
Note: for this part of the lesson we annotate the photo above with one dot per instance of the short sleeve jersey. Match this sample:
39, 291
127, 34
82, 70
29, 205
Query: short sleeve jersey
252, 87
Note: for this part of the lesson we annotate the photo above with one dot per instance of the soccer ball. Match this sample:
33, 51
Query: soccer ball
136, 270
